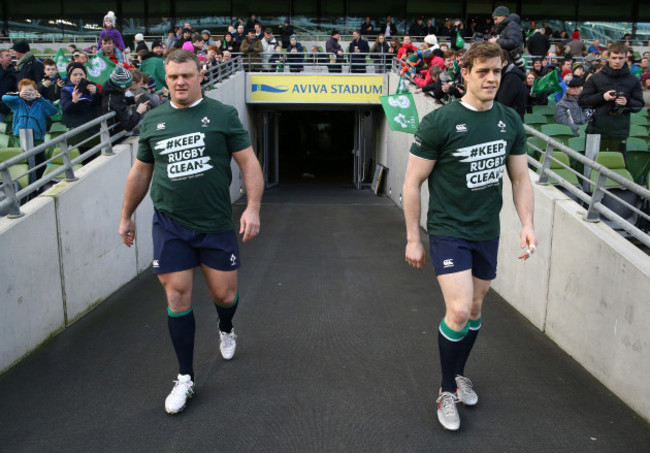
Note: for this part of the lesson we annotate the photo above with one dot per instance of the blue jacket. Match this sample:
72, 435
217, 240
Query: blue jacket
30, 115
86, 109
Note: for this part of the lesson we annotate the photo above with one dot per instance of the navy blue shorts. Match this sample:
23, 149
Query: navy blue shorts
451, 254
178, 248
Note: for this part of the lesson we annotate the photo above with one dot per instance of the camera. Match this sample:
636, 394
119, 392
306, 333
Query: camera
82, 86
30, 95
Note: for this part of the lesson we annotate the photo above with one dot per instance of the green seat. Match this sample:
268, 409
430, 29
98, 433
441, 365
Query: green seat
3, 128
582, 130
638, 160
638, 120
562, 171
615, 162
577, 144
56, 151
559, 132
57, 129
539, 143
5, 141
52, 167
19, 170
546, 110
638, 131
535, 120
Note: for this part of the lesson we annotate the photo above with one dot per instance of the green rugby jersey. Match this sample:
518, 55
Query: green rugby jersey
191, 150
470, 149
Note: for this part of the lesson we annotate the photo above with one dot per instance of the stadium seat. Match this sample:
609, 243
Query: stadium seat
5, 141
560, 158
615, 162
638, 131
57, 129
559, 132
638, 160
3, 128
535, 120
539, 143
577, 144
638, 120
546, 110
19, 170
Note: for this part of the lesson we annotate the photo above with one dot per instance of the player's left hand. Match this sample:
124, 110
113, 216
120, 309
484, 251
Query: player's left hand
529, 242
249, 224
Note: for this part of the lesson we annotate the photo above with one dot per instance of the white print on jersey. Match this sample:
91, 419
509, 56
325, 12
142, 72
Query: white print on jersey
486, 163
185, 155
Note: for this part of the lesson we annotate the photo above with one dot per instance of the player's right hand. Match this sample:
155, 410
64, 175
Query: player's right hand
127, 231
415, 254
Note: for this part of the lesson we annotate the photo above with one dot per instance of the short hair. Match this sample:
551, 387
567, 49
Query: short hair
435, 70
25, 82
449, 53
49, 62
138, 76
182, 56
213, 48
618, 47
481, 50
107, 38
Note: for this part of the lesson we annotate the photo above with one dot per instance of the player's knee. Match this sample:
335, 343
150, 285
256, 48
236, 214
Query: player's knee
458, 316
178, 300
225, 298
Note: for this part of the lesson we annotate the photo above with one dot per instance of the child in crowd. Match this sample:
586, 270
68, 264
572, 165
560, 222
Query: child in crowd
114, 100
50, 87
110, 21
30, 112
277, 59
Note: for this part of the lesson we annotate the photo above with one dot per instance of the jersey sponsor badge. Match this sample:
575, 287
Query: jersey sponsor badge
461, 128
160, 126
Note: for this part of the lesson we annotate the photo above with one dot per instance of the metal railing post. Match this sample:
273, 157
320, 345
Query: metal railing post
105, 137
592, 146
596, 197
546, 165
10, 192
26, 137
65, 156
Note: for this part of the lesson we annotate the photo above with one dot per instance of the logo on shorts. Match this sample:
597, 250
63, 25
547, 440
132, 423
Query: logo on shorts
156, 263
233, 260
461, 128
448, 263
160, 126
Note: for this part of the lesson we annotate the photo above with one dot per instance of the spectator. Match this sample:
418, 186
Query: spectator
186, 36
457, 34
286, 30
114, 100
445, 30
512, 91
109, 51
430, 28
578, 70
613, 93
157, 48
427, 84
268, 44
577, 46
450, 83
258, 31
406, 44
8, 82
388, 28
594, 48
333, 47
80, 99
538, 44
250, 25
534, 99
567, 111
358, 50
240, 35
418, 29
295, 57
510, 34
277, 60
394, 46
367, 28
252, 49
110, 21
380, 54
28, 66
645, 84
140, 89
139, 43
229, 43
153, 66
82, 57
50, 87
207, 40
173, 37
537, 67
212, 57
30, 112
431, 53
565, 77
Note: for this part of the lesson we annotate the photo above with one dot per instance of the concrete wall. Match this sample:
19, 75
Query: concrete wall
64, 256
587, 288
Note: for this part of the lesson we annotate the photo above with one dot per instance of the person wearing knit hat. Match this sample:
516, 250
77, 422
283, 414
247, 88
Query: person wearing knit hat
114, 100
333, 48
509, 35
29, 67
110, 22
501, 11
157, 47
564, 75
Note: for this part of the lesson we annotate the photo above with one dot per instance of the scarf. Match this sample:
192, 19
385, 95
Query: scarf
24, 59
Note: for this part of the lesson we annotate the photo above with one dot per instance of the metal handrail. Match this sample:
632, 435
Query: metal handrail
368, 63
593, 201
14, 197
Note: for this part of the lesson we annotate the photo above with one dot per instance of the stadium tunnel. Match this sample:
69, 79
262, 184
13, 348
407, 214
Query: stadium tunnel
317, 144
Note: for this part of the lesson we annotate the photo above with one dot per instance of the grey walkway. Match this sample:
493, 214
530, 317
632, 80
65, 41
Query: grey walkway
337, 353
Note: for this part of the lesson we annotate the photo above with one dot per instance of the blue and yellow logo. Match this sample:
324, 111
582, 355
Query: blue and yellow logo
315, 88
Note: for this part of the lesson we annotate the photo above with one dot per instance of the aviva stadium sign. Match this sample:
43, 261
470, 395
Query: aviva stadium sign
314, 88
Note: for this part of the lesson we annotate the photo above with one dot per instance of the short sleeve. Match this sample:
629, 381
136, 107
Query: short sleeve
519, 146
425, 144
238, 138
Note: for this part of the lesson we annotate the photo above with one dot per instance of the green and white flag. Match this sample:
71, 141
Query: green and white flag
401, 113
99, 69
549, 82
61, 63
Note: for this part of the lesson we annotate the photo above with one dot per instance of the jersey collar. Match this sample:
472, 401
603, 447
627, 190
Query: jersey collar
193, 105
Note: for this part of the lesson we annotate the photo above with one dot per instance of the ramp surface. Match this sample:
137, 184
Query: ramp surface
337, 352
